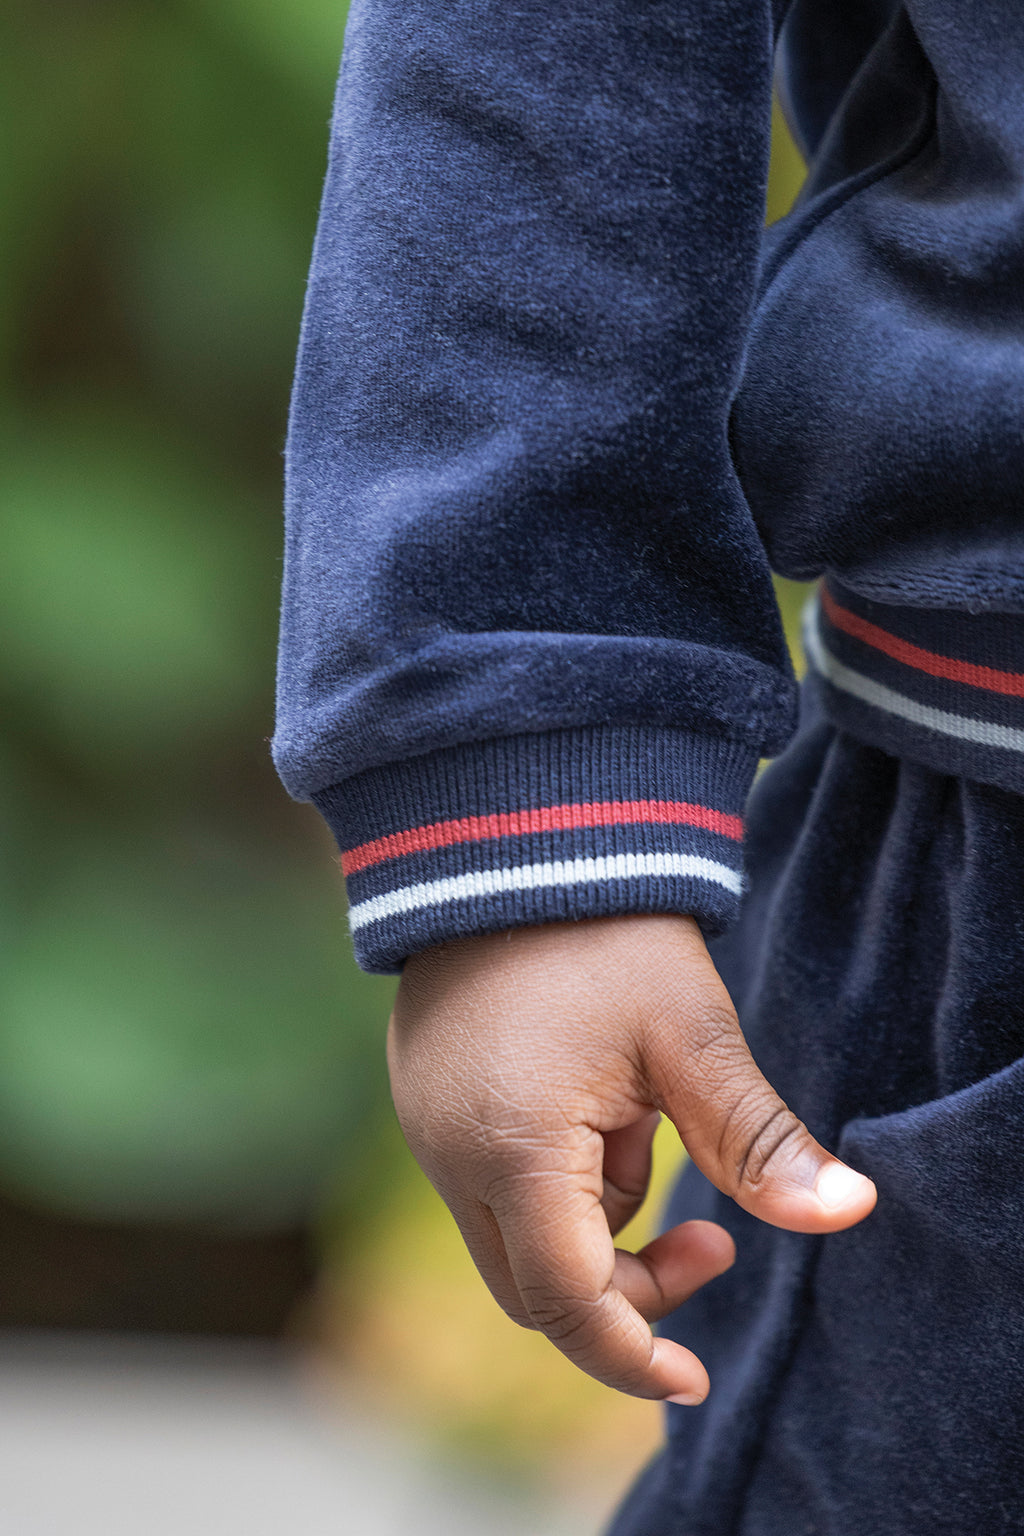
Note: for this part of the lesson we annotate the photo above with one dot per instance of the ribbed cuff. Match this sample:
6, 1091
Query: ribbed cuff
540, 828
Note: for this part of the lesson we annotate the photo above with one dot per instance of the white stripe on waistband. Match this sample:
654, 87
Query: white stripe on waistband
964, 727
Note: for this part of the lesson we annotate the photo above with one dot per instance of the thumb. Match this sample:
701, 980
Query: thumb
737, 1129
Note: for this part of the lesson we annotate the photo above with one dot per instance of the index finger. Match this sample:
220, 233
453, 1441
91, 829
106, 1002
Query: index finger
563, 1261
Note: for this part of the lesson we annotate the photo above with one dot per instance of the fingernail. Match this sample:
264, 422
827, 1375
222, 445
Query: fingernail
838, 1185
686, 1399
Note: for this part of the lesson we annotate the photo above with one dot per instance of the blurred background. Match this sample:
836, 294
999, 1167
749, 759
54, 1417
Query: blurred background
196, 1140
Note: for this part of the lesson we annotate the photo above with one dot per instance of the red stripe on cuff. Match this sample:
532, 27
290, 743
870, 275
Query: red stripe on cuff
551, 818
915, 656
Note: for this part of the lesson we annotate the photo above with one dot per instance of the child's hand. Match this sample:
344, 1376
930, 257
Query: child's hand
527, 1068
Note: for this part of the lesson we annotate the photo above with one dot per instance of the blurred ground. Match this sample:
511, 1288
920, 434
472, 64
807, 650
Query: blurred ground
121, 1436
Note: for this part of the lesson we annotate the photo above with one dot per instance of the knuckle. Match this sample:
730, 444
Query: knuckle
605, 1349
502, 1191
516, 1191
472, 1149
563, 1320
765, 1146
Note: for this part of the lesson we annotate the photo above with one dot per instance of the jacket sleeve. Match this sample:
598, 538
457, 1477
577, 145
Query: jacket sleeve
530, 653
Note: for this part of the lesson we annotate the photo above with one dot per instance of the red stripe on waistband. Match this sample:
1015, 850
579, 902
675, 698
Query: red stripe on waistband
550, 818
949, 667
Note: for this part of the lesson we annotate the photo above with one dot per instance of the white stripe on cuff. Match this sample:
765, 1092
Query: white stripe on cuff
532, 877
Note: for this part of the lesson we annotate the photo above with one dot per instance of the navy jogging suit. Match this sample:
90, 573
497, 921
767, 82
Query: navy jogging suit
561, 406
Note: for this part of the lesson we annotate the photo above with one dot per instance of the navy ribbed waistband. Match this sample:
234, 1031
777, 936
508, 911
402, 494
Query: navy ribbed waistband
941, 687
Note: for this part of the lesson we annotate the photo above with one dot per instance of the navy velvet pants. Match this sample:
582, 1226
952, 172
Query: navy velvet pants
872, 1381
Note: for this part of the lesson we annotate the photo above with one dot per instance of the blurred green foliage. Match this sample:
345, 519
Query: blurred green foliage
182, 1030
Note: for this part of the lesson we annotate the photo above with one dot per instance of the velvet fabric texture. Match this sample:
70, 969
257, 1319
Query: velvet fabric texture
876, 425
511, 498
869, 1380
558, 403
512, 508
935, 686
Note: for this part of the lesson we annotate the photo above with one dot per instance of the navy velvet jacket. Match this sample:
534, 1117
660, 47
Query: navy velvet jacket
561, 403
